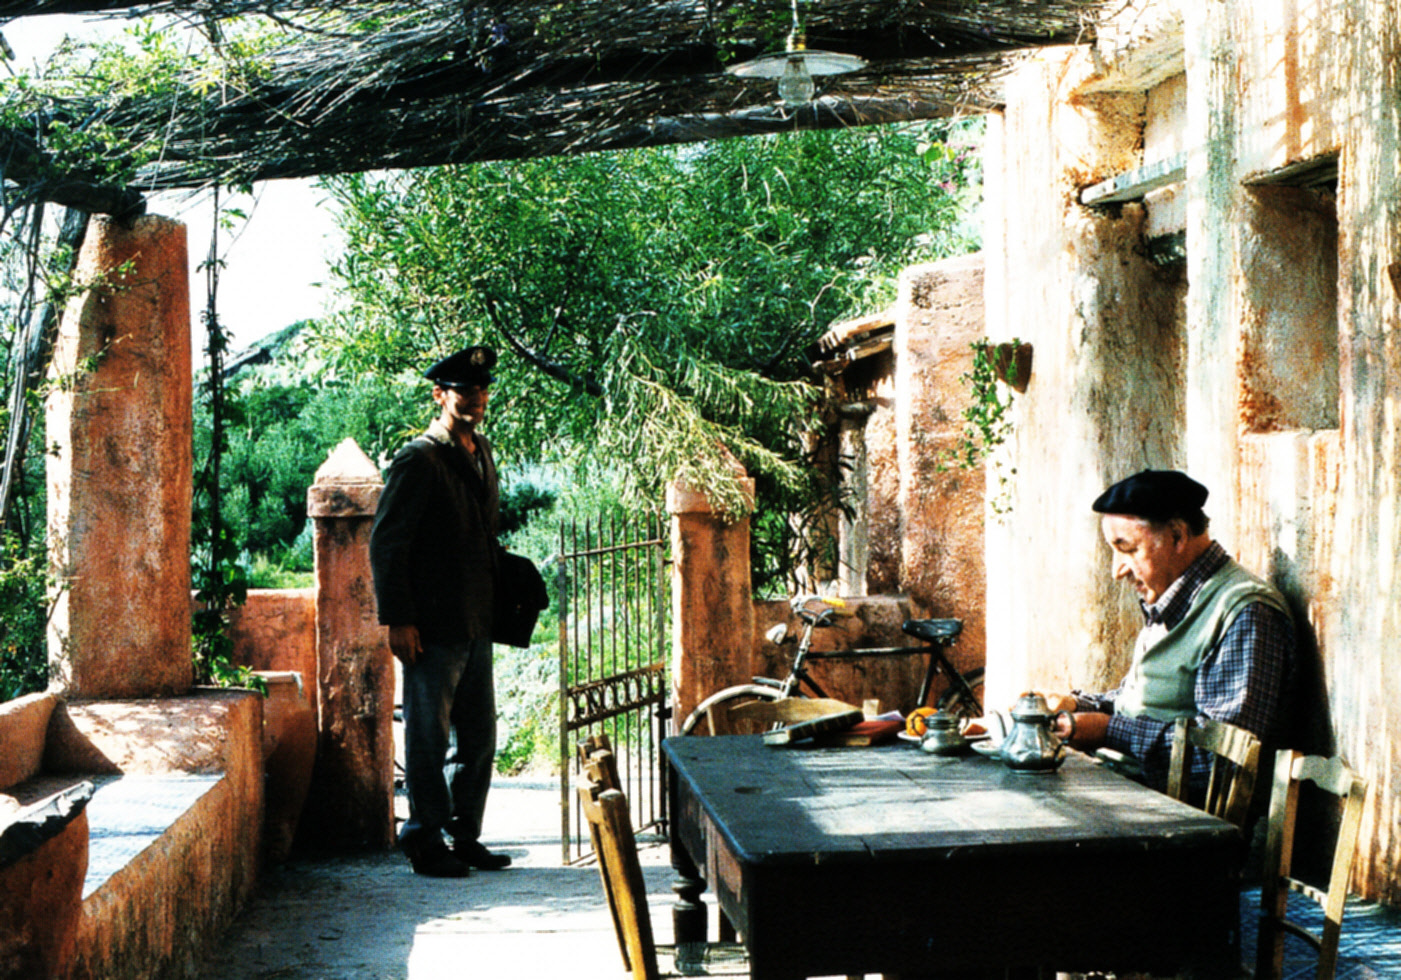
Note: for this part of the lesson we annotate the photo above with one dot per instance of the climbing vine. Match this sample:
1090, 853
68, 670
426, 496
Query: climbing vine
991, 380
219, 579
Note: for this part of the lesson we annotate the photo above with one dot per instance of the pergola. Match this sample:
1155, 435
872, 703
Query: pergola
363, 85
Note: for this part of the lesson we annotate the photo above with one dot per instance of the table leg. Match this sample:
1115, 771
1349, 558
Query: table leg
688, 914
727, 928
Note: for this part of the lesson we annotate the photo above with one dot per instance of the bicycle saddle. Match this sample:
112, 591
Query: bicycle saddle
934, 630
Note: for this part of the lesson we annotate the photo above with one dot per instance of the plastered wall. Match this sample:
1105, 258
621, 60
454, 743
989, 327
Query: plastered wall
1267, 364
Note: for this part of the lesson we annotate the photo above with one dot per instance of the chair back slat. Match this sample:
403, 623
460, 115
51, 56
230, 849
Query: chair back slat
1235, 762
1333, 776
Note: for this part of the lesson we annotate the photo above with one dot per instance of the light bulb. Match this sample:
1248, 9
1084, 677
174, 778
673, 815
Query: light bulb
795, 85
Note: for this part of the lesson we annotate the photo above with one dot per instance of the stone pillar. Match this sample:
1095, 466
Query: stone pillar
351, 803
941, 506
712, 607
120, 470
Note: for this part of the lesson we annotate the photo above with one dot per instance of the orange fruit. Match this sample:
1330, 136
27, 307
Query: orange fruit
914, 724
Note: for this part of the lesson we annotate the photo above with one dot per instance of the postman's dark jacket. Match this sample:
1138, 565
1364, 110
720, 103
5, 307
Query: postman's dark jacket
433, 547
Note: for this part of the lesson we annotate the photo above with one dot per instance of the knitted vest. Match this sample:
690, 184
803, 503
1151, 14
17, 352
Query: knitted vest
1162, 679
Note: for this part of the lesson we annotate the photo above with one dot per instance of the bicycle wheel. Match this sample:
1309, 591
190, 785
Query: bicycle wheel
957, 702
712, 716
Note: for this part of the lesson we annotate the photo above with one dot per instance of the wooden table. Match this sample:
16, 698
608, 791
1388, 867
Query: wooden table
889, 860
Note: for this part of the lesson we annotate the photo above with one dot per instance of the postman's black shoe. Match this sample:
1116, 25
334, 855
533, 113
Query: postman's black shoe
435, 860
476, 854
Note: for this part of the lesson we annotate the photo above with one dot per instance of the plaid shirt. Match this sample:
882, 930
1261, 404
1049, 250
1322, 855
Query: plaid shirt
1244, 681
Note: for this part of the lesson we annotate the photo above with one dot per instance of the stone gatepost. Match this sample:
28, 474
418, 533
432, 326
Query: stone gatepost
351, 802
120, 470
712, 647
712, 606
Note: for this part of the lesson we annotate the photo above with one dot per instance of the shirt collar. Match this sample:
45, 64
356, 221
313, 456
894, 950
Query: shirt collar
439, 433
1173, 604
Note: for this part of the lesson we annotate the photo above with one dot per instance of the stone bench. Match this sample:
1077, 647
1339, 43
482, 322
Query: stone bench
129, 831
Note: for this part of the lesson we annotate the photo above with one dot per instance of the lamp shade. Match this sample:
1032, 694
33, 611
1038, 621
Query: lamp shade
814, 62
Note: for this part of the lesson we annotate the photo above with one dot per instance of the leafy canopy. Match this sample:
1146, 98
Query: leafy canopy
652, 306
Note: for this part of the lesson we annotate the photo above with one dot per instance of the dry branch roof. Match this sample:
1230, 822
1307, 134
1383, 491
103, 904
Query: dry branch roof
452, 81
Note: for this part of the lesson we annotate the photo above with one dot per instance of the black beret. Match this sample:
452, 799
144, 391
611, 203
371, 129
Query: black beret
471, 366
1158, 495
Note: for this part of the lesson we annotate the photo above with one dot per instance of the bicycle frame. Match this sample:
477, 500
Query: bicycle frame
798, 674
961, 696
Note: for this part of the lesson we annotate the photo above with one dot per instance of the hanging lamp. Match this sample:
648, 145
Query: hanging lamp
796, 65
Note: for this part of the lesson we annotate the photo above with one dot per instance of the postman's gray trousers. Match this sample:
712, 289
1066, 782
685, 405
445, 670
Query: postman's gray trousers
449, 741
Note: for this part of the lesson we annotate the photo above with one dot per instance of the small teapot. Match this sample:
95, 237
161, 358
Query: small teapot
941, 735
1030, 746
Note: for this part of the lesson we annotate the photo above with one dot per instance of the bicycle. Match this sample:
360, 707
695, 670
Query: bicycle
961, 696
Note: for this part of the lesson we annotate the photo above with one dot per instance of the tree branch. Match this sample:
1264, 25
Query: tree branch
552, 368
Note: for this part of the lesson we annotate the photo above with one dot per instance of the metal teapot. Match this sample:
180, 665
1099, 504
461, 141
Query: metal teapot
1030, 746
941, 735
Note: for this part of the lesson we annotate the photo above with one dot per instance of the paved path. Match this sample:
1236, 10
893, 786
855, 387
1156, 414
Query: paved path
371, 918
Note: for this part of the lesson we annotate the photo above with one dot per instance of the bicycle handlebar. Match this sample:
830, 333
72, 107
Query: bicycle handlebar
815, 617
799, 603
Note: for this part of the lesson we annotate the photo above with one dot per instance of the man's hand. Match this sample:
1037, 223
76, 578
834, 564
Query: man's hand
1058, 702
1084, 730
405, 644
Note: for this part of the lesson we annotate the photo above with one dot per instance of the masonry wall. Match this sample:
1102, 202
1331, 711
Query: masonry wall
1104, 397
916, 530
1269, 368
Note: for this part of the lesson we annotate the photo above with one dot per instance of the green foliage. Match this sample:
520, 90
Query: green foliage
281, 422
986, 417
652, 307
23, 661
286, 571
148, 61
522, 500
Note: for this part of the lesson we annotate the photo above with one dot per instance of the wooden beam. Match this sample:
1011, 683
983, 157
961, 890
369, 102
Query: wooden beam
32, 169
1305, 173
1133, 185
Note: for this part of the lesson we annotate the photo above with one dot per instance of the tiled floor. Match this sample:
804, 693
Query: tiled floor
370, 918
1369, 949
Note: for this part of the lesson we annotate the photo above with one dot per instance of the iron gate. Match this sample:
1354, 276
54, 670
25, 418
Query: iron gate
612, 584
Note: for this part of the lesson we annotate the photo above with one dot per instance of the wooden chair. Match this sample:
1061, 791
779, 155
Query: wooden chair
610, 827
605, 808
1235, 762
1332, 776
598, 747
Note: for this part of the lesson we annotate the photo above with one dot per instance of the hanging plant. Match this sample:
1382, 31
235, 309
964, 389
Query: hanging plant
998, 370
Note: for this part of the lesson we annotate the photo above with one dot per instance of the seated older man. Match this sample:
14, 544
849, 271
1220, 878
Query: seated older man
1217, 641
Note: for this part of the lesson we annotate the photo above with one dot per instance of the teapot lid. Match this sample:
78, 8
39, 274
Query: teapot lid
942, 720
1031, 707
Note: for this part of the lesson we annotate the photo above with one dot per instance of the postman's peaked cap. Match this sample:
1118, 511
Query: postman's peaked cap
1158, 495
471, 366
